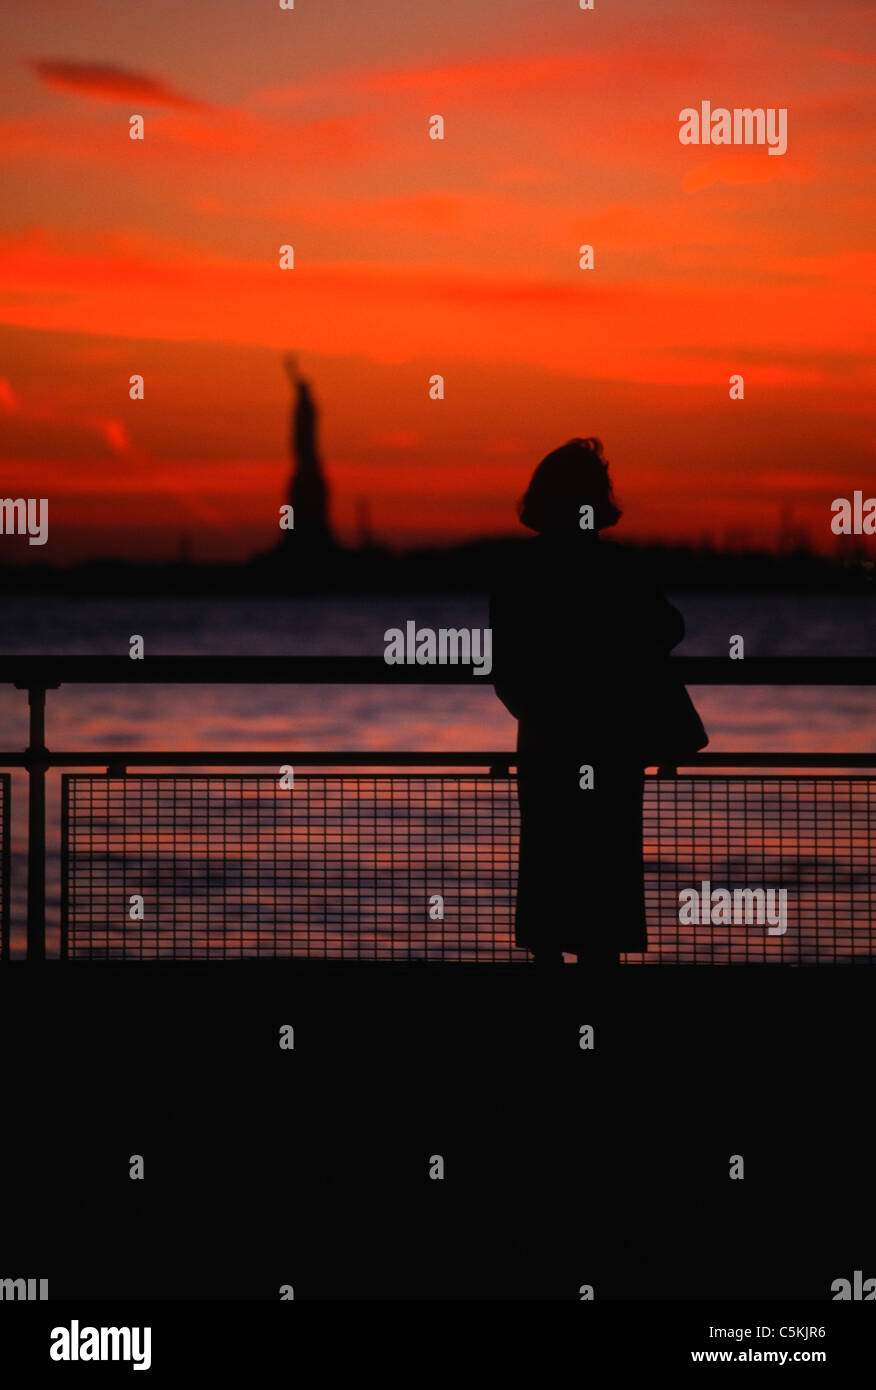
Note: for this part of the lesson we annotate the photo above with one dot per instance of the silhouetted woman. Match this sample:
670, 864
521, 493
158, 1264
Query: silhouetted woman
580, 641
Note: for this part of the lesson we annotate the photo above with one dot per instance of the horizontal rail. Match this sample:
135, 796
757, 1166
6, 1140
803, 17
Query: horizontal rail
120, 758
49, 672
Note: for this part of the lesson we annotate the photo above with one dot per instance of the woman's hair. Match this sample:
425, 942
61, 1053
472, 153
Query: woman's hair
566, 479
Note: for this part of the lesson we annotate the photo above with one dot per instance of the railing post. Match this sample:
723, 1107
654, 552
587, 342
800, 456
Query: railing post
37, 765
5, 873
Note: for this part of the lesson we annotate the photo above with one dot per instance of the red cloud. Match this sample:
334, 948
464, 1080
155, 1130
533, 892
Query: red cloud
112, 84
482, 77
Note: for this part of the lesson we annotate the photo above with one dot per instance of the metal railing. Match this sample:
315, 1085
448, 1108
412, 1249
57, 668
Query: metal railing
401, 865
346, 865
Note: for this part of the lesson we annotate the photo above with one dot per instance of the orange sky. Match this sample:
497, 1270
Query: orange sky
415, 256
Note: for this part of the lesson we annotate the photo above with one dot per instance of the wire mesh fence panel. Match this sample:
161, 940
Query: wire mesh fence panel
786, 864
5, 862
402, 866
377, 867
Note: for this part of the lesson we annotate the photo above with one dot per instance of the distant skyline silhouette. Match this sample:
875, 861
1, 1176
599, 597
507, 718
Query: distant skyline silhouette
308, 558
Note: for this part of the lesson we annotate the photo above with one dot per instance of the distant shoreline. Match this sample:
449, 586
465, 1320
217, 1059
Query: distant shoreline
465, 568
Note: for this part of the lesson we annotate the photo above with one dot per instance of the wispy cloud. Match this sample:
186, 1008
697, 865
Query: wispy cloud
128, 287
108, 83
481, 79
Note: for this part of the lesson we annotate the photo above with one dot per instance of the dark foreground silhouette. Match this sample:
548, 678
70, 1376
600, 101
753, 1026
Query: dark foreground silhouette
581, 639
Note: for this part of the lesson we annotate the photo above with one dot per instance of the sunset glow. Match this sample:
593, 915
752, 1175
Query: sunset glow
413, 256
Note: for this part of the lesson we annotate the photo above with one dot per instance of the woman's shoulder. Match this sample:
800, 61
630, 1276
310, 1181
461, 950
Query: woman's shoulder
515, 561
627, 564
542, 560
